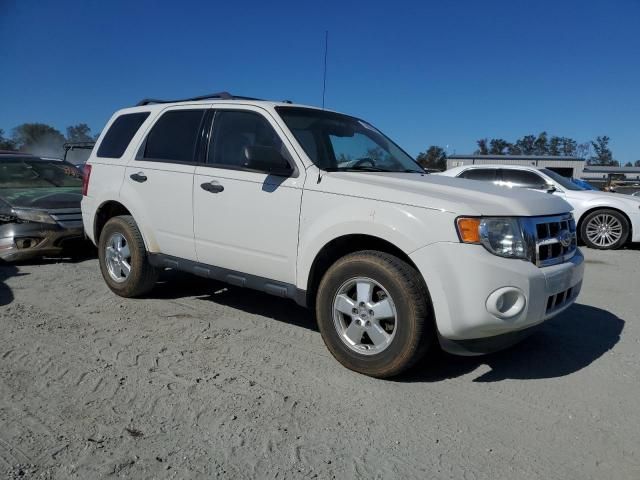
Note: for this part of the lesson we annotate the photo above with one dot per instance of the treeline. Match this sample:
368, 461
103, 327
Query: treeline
596, 152
43, 139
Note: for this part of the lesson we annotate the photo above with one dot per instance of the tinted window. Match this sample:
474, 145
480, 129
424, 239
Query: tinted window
523, 179
234, 131
120, 133
174, 136
484, 174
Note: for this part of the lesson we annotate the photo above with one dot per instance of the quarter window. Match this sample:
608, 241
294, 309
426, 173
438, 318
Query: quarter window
122, 130
174, 136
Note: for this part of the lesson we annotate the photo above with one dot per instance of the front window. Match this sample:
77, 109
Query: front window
336, 142
564, 181
38, 173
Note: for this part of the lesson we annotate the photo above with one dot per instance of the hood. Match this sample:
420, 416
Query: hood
42, 198
456, 195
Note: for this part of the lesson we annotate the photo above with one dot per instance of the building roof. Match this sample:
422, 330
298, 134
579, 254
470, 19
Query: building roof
523, 158
606, 169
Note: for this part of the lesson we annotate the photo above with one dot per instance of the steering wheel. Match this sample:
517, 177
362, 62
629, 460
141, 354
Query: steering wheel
362, 161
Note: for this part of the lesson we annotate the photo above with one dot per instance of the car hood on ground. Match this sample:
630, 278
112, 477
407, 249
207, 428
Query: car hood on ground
42, 198
457, 195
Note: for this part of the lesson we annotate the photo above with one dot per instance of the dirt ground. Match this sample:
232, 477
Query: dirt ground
203, 380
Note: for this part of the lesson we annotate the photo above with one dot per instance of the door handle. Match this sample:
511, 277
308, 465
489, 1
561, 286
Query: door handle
139, 177
212, 187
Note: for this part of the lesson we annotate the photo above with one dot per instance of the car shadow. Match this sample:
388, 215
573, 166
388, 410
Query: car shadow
174, 284
7, 270
563, 345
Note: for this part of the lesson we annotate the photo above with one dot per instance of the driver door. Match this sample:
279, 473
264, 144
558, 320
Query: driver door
246, 220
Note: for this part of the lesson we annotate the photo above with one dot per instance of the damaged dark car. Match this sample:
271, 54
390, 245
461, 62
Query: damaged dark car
39, 207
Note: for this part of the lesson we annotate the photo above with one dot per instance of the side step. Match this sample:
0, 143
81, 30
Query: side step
232, 277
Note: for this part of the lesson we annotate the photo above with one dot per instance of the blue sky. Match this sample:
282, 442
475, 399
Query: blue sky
430, 72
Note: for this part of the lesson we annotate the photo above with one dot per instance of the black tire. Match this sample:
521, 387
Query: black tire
590, 220
415, 331
143, 275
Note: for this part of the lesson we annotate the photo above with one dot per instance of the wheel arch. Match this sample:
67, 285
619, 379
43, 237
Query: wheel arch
106, 211
344, 245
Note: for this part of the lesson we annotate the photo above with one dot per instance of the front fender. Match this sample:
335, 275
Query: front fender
325, 217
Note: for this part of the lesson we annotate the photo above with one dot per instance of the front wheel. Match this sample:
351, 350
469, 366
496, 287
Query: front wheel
373, 313
604, 229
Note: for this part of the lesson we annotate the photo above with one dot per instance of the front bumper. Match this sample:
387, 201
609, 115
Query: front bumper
462, 277
24, 241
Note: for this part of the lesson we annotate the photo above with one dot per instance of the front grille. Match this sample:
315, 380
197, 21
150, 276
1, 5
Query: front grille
561, 299
67, 217
553, 239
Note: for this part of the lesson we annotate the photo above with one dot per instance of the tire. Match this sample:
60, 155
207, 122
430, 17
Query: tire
604, 229
142, 275
409, 334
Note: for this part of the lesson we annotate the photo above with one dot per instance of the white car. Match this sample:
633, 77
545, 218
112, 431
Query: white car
605, 220
322, 208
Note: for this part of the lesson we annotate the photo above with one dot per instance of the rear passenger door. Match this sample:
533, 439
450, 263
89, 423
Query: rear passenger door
160, 180
246, 220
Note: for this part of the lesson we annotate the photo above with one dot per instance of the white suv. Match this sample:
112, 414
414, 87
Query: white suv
605, 220
322, 208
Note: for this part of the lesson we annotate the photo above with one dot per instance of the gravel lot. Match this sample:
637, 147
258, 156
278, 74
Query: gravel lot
205, 380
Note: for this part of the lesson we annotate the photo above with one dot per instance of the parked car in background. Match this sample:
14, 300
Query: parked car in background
323, 208
77, 153
605, 220
39, 206
585, 185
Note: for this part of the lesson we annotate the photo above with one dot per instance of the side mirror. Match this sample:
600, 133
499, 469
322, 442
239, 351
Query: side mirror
550, 188
267, 159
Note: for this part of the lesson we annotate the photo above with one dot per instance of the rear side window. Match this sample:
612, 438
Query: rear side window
120, 133
523, 178
483, 174
174, 136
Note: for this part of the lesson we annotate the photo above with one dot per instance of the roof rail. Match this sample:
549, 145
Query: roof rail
219, 95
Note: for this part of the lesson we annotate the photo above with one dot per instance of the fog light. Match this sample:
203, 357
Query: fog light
506, 302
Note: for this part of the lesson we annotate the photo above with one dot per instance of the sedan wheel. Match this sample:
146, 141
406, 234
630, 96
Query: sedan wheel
605, 230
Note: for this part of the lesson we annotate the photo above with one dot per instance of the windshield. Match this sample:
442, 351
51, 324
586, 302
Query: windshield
29, 172
564, 181
337, 142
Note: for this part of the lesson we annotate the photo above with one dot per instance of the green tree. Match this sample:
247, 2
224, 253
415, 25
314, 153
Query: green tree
628, 164
637, 163
568, 147
498, 146
79, 133
526, 145
434, 157
6, 143
603, 154
482, 147
541, 144
555, 143
38, 138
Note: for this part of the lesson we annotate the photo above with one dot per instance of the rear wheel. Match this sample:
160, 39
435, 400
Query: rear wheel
605, 229
373, 313
123, 258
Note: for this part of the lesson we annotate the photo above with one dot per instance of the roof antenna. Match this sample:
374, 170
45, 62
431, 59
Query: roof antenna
324, 76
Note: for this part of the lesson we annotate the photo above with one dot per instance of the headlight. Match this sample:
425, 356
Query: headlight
501, 236
39, 216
